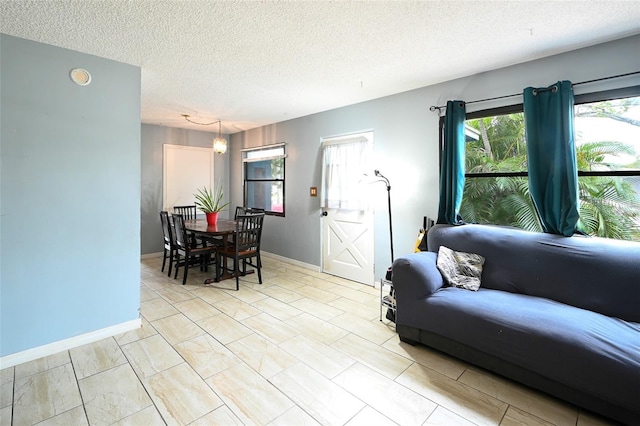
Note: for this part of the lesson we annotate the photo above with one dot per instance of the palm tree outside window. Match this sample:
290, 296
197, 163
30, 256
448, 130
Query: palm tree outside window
607, 135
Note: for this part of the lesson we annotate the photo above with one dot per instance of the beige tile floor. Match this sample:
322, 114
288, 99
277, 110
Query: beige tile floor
303, 348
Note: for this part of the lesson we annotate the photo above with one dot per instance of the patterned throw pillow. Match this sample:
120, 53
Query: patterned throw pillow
460, 269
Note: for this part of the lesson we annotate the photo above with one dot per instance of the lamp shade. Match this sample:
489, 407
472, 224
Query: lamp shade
219, 145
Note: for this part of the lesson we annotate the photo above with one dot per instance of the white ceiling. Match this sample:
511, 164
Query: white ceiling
253, 63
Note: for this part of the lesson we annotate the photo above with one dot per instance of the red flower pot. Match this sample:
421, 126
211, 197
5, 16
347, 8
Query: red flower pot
212, 218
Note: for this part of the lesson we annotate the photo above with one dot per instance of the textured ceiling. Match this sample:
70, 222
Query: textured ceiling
253, 63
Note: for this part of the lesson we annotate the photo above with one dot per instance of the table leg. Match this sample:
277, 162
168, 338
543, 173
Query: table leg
225, 275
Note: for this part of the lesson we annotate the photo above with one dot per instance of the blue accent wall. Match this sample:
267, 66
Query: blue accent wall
69, 195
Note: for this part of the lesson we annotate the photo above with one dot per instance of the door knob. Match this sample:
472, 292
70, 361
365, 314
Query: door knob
324, 213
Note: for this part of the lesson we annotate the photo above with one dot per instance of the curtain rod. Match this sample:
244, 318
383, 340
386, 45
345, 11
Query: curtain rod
438, 108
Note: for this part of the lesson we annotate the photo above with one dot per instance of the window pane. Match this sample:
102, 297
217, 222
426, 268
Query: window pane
267, 195
608, 139
496, 144
607, 135
499, 201
610, 206
265, 170
264, 153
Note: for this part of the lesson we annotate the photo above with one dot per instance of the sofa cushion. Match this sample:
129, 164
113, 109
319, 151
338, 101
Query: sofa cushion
460, 269
598, 274
565, 344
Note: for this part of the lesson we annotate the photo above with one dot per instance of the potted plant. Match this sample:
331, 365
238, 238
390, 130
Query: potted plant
210, 202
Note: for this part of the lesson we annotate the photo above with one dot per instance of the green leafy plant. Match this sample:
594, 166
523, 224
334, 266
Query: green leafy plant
210, 201
609, 205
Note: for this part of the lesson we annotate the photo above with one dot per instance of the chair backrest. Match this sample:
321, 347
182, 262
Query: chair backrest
182, 242
239, 211
188, 212
249, 232
166, 227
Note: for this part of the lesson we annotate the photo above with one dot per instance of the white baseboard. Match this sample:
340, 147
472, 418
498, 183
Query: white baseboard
66, 344
151, 255
264, 253
309, 266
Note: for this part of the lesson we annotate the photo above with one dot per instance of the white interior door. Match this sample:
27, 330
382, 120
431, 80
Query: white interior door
348, 244
347, 221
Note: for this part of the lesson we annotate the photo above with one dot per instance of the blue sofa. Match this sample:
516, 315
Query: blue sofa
559, 314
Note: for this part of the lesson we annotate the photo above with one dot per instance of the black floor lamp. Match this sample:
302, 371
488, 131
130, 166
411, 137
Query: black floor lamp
390, 300
386, 181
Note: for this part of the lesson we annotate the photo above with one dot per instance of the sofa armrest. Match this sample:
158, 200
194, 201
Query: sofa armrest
416, 276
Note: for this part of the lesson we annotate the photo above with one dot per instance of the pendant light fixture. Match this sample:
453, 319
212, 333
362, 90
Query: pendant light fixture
219, 143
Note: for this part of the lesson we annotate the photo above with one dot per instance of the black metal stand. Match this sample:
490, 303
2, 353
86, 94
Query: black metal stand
388, 301
378, 174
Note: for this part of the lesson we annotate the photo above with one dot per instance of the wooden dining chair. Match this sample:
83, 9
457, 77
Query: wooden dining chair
253, 210
189, 213
189, 252
245, 246
169, 241
241, 210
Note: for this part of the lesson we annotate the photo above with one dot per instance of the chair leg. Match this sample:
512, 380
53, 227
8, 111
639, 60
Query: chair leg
236, 272
218, 258
186, 271
177, 266
259, 268
164, 259
170, 263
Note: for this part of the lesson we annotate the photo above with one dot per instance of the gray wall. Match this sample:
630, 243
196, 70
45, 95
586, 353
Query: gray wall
70, 195
153, 137
406, 145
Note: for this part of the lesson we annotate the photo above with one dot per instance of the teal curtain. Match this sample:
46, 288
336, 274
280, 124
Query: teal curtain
551, 151
452, 168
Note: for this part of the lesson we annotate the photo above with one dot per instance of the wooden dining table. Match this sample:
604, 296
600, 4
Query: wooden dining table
223, 228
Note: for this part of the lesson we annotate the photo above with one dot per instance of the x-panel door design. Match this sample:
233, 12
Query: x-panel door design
347, 221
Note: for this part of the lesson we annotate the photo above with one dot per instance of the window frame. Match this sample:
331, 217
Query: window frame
248, 157
606, 193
